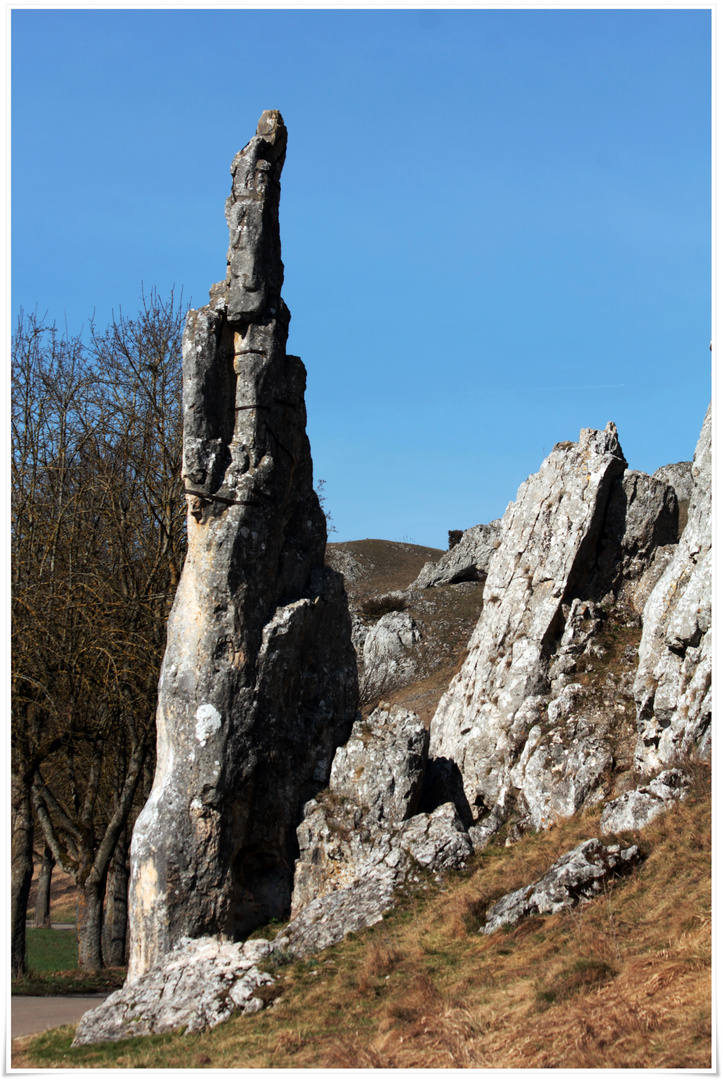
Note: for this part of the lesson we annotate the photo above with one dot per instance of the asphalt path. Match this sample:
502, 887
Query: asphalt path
29, 1015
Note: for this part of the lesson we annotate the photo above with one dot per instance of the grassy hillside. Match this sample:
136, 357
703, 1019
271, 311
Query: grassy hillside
623, 982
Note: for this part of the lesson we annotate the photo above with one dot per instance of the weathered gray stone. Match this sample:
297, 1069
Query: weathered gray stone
548, 541
641, 516
387, 657
680, 478
258, 683
562, 764
466, 561
673, 682
636, 809
197, 985
367, 882
359, 837
576, 877
381, 767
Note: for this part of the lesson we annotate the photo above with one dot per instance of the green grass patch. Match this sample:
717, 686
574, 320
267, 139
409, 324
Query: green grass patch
53, 967
62, 983
51, 950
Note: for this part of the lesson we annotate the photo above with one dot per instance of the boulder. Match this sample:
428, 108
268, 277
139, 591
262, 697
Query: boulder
196, 986
673, 682
576, 877
258, 685
466, 561
386, 652
395, 859
636, 809
381, 767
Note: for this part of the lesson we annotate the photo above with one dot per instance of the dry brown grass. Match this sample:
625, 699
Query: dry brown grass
622, 982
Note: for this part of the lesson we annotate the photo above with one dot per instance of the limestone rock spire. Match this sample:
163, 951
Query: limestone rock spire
258, 684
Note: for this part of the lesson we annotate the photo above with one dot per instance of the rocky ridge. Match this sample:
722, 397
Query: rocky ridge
466, 561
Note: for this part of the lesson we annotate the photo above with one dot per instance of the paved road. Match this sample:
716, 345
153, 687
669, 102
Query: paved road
33, 1014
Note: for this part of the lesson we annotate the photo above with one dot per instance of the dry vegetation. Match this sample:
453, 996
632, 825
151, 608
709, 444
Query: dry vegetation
446, 615
622, 982
371, 567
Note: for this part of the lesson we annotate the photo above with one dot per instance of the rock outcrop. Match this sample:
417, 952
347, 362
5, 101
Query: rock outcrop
196, 986
517, 735
576, 877
258, 685
362, 838
673, 683
679, 477
548, 544
641, 517
466, 561
636, 809
386, 652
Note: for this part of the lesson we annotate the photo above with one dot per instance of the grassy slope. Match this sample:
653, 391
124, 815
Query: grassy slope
622, 982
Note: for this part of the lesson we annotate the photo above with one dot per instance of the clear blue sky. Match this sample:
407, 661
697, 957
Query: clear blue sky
495, 223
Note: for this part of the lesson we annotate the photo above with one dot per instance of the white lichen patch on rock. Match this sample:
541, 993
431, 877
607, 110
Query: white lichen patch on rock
208, 722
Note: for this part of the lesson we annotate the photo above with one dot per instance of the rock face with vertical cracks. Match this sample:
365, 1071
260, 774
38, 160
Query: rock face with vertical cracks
258, 683
549, 542
673, 684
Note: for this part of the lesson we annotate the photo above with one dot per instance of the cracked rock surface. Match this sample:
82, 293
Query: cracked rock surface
636, 809
258, 684
547, 546
577, 876
387, 652
673, 682
362, 838
197, 985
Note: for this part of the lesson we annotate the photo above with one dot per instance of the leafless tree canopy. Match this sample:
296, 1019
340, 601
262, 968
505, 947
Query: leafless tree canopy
98, 541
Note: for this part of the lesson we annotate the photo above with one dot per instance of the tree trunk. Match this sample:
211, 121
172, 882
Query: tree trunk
42, 904
90, 922
21, 871
116, 913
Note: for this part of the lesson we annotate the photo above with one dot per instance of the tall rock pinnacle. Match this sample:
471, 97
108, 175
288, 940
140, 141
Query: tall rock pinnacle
258, 683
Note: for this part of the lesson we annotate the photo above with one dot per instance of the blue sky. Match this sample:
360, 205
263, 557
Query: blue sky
495, 223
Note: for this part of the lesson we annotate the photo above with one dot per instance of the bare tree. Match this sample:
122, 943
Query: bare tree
108, 543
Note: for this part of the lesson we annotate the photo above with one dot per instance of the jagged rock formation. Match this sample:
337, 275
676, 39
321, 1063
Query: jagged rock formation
514, 734
577, 876
672, 686
636, 809
466, 561
641, 517
197, 985
258, 683
362, 838
548, 542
